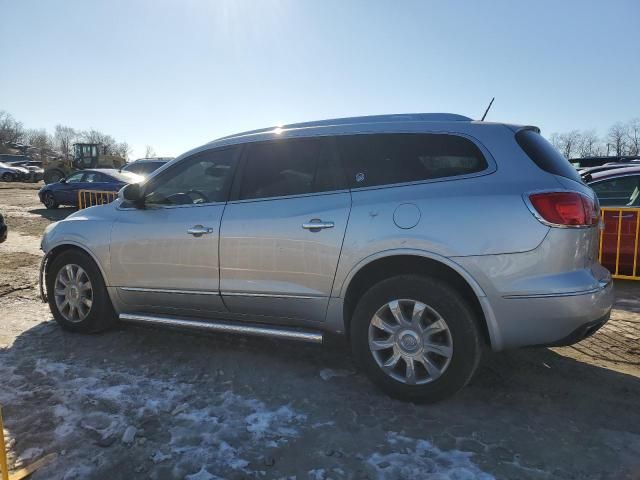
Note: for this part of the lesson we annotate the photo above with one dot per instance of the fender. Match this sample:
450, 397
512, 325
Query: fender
335, 316
45, 262
475, 286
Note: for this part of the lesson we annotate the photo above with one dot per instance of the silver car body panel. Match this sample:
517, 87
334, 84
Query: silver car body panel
534, 283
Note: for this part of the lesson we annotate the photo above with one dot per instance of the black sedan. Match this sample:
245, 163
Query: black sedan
65, 192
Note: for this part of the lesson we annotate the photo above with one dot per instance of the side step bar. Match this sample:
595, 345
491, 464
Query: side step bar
225, 327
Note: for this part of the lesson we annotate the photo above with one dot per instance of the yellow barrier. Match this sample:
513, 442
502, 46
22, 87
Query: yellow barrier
89, 198
23, 472
618, 249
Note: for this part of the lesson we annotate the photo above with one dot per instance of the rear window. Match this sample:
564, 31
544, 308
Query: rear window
545, 155
386, 159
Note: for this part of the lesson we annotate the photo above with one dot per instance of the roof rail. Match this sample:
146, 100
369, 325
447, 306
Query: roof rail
403, 117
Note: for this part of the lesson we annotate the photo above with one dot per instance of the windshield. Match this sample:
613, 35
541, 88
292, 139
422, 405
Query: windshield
143, 168
126, 177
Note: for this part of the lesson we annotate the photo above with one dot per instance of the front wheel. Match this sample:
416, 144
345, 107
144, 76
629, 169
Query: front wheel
7, 177
50, 201
416, 338
78, 298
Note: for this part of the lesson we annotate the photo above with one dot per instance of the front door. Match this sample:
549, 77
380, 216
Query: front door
67, 191
282, 233
164, 257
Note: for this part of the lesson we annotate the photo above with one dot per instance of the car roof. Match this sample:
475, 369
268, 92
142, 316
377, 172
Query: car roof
393, 123
614, 172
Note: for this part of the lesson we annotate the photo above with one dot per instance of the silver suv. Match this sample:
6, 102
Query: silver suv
422, 238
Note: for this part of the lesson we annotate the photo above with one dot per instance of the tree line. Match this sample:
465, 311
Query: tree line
58, 143
622, 139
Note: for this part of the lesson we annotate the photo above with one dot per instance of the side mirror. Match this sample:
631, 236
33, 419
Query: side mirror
132, 193
62, 180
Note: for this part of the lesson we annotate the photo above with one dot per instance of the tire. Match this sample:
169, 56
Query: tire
50, 201
461, 340
99, 315
8, 177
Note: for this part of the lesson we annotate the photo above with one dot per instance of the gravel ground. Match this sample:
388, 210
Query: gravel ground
148, 403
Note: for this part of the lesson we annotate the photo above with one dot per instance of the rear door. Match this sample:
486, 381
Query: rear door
282, 233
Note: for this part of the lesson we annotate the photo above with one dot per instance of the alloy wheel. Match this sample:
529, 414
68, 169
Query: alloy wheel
410, 341
73, 293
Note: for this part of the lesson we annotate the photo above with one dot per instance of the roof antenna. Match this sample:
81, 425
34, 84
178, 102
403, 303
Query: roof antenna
487, 110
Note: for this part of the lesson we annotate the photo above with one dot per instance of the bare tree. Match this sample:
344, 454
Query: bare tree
10, 129
149, 152
64, 138
122, 149
95, 136
40, 140
589, 144
633, 136
617, 138
567, 143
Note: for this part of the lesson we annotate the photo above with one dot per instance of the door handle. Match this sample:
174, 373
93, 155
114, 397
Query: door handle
199, 230
315, 225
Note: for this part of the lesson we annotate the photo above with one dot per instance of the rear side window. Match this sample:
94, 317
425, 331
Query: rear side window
289, 167
545, 155
618, 192
385, 159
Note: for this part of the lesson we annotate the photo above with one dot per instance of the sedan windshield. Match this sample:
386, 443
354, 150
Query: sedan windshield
126, 177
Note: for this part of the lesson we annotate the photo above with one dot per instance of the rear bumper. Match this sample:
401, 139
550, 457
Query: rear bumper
580, 333
552, 320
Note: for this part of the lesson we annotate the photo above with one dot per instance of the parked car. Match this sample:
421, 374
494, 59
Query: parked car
9, 173
145, 166
3, 229
616, 188
65, 192
422, 238
36, 172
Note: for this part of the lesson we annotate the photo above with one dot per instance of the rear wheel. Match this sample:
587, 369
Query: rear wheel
416, 338
78, 298
50, 201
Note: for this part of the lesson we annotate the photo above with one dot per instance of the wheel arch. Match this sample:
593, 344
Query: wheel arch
398, 262
55, 251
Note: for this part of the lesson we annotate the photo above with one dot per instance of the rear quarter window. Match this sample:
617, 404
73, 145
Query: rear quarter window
545, 156
387, 159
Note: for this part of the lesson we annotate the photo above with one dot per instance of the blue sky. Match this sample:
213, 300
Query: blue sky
176, 74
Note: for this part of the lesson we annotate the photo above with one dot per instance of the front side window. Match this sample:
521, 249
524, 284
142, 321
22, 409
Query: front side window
618, 192
202, 178
286, 167
75, 178
385, 159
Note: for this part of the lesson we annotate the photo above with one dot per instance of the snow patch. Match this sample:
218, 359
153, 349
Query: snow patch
95, 405
421, 459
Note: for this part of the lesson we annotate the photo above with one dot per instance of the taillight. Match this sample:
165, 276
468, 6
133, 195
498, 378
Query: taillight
566, 209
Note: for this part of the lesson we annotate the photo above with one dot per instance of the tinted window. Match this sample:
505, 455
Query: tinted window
619, 192
75, 178
545, 155
202, 178
92, 177
289, 167
386, 159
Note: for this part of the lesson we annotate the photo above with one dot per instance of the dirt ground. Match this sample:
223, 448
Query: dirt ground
147, 403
